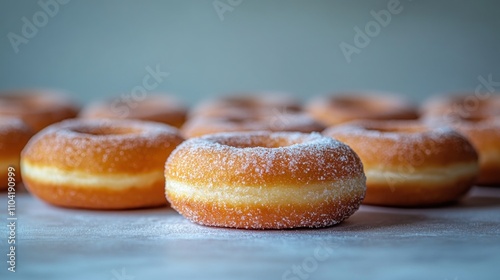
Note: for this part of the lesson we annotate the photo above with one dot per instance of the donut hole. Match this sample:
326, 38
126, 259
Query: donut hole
105, 131
258, 142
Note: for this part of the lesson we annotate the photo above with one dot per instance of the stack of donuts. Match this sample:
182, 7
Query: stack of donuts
254, 160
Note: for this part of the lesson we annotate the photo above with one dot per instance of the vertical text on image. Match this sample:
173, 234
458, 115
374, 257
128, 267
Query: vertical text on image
11, 219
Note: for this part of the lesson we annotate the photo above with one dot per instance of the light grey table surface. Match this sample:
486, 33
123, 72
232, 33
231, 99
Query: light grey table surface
456, 242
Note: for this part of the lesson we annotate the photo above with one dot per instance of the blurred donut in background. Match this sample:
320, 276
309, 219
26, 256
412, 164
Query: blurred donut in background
298, 122
410, 164
347, 106
156, 107
14, 134
477, 117
37, 108
459, 106
247, 104
99, 164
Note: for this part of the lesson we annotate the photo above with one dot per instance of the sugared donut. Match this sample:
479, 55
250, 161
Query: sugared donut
14, 134
337, 109
298, 122
484, 134
462, 106
476, 116
99, 164
245, 104
264, 180
37, 108
410, 164
154, 107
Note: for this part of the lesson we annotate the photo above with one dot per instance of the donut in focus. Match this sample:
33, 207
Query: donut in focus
99, 164
410, 164
37, 108
344, 107
154, 107
264, 180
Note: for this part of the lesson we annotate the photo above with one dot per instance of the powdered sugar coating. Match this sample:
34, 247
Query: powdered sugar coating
264, 180
408, 163
99, 164
282, 156
404, 143
102, 146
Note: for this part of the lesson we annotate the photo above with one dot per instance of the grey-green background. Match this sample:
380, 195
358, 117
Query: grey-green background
96, 49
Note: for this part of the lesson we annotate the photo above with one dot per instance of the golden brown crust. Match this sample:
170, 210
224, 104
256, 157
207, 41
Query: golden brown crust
99, 197
14, 134
337, 109
314, 215
37, 108
244, 164
98, 148
484, 134
408, 149
155, 107
271, 159
416, 194
103, 146
476, 116
485, 137
396, 143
